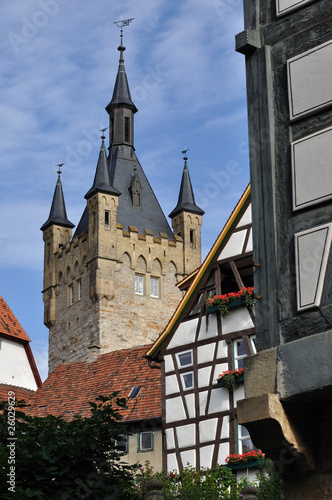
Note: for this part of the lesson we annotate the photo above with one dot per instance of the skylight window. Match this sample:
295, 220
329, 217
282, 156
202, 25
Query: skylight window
134, 392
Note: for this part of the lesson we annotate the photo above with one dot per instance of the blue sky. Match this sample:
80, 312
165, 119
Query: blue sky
58, 67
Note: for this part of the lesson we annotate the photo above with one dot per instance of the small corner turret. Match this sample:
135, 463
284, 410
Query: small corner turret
187, 221
57, 232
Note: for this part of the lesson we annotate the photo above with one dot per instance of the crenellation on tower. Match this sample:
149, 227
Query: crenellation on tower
112, 285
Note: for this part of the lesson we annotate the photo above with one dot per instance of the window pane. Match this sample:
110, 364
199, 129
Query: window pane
247, 445
139, 284
240, 348
154, 287
240, 363
185, 358
122, 444
146, 440
188, 380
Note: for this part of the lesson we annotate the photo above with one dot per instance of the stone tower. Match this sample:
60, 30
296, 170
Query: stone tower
112, 285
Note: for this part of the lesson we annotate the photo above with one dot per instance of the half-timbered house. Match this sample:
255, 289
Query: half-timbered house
198, 344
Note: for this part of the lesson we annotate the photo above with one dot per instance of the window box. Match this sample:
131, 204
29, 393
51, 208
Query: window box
239, 380
223, 303
245, 465
230, 378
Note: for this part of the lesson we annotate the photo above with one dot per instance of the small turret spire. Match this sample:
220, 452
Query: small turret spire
186, 201
58, 214
101, 181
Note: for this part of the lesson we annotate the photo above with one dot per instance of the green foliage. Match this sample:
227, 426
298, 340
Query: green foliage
190, 484
64, 460
270, 483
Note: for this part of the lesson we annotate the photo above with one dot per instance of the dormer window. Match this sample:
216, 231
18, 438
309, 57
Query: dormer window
135, 189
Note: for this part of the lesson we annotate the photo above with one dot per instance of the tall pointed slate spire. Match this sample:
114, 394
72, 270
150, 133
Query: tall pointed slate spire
58, 214
186, 201
101, 181
121, 92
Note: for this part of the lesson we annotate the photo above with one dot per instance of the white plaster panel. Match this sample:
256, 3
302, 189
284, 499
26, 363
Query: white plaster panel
239, 319
249, 246
309, 81
169, 365
188, 457
185, 334
207, 430
204, 376
171, 384
186, 435
205, 353
202, 402
218, 369
190, 400
246, 217
312, 169
219, 400
206, 453
223, 452
222, 349
15, 368
234, 245
312, 249
174, 410
238, 394
172, 463
170, 439
207, 332
224, 433
285, 6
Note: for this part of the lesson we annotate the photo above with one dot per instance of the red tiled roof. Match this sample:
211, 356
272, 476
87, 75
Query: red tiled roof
70, 388
20, 392
9, 325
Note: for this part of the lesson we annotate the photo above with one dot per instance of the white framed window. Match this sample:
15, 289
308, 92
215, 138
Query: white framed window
184, 358
139, 284
79, 290
122, 444
244, 441
145, 441
154, 287
187, 380
239, 353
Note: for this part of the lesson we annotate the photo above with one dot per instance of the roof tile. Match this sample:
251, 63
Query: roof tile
72, 386
9, 325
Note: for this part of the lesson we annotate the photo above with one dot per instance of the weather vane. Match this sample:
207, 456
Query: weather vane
59, 165
184, 152
122, 23
102, 130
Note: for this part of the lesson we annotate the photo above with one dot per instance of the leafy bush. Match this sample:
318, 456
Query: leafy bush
63, 460
207, 484
270, 483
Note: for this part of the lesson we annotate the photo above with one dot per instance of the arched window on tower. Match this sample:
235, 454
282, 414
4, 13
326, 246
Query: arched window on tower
127, 129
